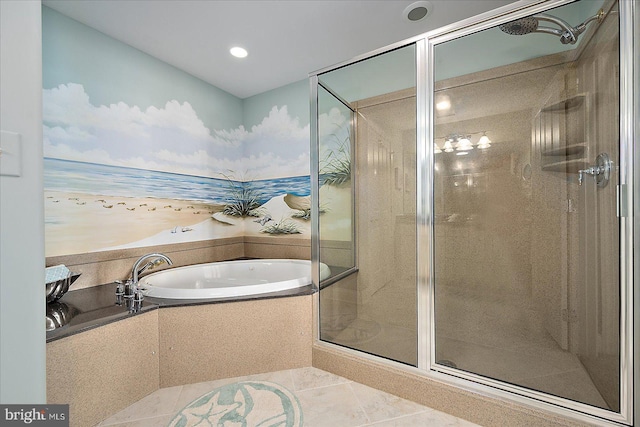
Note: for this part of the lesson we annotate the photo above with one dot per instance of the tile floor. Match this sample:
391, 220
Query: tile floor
325, 399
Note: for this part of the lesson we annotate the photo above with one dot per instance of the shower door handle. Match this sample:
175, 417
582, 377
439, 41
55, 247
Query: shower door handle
601, 171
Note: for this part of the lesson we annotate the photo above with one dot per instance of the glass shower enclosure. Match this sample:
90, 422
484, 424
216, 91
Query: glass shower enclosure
476, 214
366, 145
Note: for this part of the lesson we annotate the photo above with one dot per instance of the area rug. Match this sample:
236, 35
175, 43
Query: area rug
246, 404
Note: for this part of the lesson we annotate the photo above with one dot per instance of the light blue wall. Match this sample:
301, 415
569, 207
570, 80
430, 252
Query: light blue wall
278, 125
379, 75
113, 72
22, 299
295, 96
266, 134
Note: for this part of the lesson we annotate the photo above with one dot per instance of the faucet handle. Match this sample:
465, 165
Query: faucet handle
119, 288
138, 296
128, 289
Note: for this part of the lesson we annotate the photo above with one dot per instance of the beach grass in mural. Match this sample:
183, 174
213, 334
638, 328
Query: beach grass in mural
335, 167
335, 147
242, 199
284, 226
119, 206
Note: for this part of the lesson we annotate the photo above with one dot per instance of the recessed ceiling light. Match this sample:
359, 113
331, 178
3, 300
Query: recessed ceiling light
238, 52
417, 11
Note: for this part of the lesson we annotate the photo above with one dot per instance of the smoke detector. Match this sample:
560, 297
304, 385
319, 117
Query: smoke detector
417, 11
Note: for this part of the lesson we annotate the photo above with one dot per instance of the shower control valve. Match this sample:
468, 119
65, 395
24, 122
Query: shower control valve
601, 171
593, 171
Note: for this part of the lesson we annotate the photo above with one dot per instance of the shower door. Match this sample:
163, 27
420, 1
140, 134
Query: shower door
484, 232
366, 127
526, 227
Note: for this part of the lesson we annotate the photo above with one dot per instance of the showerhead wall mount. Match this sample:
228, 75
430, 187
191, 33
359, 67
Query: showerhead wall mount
531, 24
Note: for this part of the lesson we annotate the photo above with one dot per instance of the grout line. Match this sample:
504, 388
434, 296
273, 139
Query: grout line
293, 383
295, 386
359, 403
324, 386
172, 412
400, 417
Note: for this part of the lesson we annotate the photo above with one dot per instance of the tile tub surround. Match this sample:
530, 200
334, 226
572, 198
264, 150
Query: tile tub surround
246, 337
325, 400
474, 407
105, 267
103, 370
92, 307
99, 365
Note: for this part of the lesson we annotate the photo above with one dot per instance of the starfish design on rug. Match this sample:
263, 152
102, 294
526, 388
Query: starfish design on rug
242, 404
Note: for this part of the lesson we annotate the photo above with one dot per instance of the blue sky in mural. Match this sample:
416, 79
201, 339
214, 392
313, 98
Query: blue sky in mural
170, 138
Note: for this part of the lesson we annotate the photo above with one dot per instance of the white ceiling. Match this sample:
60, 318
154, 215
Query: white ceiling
286, 39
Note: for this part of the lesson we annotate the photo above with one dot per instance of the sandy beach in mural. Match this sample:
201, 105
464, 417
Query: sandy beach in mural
76, 222
126, 222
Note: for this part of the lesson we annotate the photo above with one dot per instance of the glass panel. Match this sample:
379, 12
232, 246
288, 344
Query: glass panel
374, 308
526, 253
335, 140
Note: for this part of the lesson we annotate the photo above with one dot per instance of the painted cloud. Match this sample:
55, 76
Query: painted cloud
171, 138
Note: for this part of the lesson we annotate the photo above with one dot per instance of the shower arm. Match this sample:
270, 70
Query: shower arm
570, 34
597, 17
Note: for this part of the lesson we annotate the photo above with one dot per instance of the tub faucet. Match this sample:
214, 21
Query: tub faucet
138, 268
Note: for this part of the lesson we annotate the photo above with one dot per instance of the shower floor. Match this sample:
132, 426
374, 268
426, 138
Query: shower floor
322, 399
492, 338
503, 338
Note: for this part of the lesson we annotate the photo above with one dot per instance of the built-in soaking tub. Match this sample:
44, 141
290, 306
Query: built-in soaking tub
230, 279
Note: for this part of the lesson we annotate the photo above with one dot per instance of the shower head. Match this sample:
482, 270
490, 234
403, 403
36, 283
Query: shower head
520, 26
531, 24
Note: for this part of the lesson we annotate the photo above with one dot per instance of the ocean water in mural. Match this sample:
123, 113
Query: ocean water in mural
91, 178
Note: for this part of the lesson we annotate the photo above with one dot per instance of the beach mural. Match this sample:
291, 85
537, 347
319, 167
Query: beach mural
139, 153
117, 176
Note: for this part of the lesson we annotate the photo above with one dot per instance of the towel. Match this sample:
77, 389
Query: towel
55, 273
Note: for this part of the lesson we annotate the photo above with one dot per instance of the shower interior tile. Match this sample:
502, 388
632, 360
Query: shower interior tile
575, 385
547, 369
392, 342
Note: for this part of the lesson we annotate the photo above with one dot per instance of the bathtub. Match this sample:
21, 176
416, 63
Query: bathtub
230, 279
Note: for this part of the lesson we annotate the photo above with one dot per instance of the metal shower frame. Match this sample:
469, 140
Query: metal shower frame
629, 206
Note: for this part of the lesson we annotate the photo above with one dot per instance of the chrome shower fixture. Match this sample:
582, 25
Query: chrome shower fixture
531, 24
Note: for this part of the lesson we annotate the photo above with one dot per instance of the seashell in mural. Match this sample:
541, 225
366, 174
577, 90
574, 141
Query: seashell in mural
225, 219
297, 202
